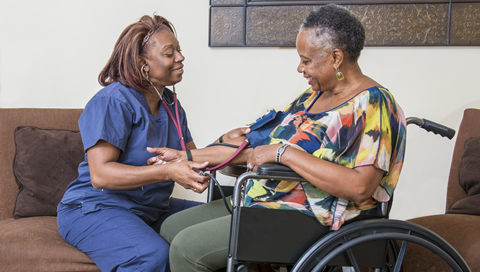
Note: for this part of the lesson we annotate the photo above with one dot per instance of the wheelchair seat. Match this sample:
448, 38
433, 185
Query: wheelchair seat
295, 234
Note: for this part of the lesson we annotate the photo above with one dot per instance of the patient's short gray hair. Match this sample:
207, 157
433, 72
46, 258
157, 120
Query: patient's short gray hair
336, 27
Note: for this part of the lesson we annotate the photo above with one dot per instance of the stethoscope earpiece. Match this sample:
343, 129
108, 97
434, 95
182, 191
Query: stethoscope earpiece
142, 70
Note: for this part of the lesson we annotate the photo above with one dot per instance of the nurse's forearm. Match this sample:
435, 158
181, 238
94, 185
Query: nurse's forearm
107, 173
117, 176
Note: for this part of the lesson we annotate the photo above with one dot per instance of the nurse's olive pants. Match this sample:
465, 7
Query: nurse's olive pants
117, 239
198, 237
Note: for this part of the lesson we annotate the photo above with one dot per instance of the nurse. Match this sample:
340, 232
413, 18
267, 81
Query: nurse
114, 209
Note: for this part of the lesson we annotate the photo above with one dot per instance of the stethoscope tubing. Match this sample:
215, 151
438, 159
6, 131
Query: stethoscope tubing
176, 122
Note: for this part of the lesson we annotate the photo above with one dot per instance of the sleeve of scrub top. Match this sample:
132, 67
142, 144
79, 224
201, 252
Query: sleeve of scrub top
108, 119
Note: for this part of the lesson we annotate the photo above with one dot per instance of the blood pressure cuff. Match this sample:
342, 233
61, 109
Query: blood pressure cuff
263, 126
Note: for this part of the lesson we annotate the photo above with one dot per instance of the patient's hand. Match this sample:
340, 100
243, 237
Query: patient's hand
262, 154
165, 155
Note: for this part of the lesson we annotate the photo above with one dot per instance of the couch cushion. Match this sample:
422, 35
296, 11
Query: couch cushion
34, 244
45, 162
469, 179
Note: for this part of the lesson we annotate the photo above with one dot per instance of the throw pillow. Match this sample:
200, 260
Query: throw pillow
469, 179
45, 162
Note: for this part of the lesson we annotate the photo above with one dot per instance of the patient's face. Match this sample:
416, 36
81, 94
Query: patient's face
316, 62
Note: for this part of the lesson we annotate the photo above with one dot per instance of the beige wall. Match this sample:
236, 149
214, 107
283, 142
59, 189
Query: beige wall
51, 52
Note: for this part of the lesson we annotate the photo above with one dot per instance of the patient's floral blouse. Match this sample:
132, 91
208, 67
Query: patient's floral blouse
369, 129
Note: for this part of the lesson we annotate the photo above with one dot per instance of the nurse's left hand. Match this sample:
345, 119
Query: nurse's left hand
165, 155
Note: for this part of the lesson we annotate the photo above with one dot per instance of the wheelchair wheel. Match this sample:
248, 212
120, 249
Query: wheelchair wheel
339, 247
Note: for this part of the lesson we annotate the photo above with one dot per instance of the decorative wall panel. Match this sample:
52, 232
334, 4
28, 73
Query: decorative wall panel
275, 26
387, 23
227, 26
414, 24
227, 2
465, 24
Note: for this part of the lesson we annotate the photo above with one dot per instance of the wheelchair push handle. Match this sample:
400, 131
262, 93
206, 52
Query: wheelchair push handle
431, 126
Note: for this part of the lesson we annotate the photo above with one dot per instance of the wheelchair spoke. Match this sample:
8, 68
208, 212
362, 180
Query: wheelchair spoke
351, 257
401, 254
353, 261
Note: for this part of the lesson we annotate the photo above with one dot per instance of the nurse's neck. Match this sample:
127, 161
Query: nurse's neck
153, 100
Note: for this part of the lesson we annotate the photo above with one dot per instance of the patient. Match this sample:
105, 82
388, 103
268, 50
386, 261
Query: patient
345, 135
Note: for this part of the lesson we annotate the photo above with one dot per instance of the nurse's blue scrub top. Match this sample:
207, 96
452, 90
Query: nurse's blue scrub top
121, 116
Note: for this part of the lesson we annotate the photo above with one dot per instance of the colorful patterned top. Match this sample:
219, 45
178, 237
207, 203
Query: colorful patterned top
368, 129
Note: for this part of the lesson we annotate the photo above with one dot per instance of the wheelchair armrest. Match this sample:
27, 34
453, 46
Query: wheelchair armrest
275, 169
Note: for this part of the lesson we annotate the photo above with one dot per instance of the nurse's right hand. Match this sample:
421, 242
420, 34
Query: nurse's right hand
166, 155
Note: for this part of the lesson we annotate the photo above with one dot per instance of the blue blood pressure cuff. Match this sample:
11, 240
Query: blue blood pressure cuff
263, 126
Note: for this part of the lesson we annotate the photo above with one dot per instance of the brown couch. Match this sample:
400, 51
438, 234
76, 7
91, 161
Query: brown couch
460, 225
45, 142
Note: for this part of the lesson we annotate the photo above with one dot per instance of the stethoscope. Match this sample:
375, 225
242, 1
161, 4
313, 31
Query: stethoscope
178, 127
176, 121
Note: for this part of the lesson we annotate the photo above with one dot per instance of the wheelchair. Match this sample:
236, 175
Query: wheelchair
299, 242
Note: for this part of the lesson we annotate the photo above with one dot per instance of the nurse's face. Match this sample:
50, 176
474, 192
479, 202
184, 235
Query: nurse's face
164, 59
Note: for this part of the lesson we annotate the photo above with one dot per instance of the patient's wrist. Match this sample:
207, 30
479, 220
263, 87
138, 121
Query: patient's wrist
280, 152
